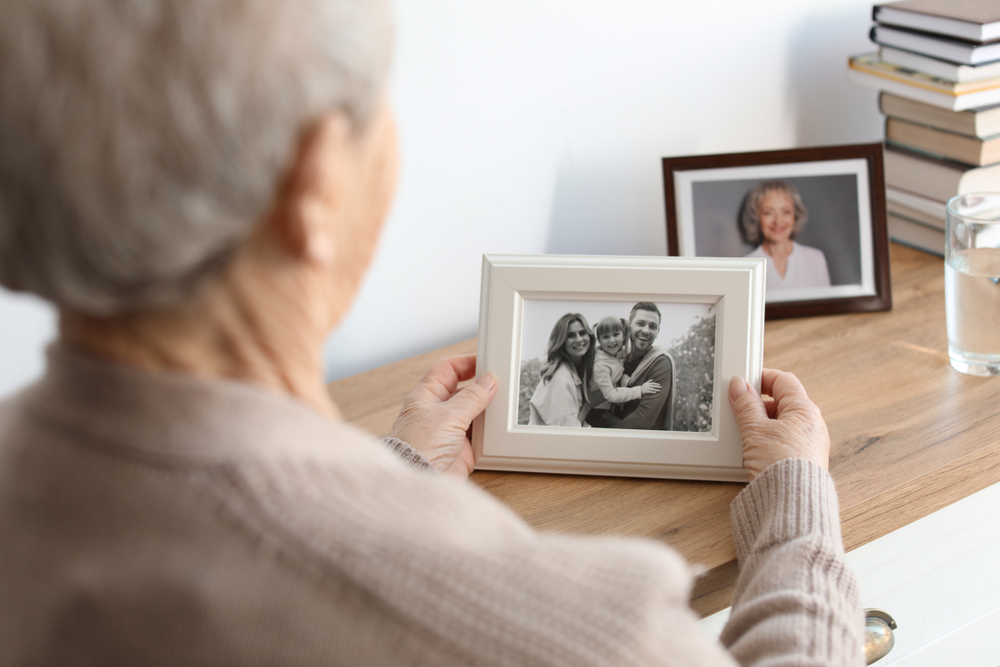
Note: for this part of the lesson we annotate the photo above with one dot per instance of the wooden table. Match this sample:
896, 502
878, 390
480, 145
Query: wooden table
910, 435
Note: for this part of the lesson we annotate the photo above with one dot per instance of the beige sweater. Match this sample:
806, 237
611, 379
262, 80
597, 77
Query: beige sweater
163, 520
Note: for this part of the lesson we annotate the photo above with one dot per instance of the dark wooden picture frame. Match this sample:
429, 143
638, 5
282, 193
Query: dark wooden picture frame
840, 185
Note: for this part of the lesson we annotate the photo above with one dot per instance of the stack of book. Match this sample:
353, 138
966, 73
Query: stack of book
938, 67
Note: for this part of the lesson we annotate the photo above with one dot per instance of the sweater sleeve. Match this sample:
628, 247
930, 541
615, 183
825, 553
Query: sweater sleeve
796, 601
407, 454
426, 570
611, 393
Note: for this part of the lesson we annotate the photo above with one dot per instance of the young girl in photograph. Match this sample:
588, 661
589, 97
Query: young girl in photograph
608, 375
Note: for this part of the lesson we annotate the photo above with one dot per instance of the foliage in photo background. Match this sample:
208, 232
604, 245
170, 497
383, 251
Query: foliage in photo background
694, 355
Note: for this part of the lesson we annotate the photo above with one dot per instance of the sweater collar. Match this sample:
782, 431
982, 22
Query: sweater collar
653, 353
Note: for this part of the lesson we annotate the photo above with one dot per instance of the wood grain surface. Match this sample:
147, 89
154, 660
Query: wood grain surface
910, 435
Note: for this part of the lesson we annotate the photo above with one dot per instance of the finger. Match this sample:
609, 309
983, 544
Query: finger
444, 375
467, 404
462, 365
788, 393
767, 378
771, 407
746, 403
781, 383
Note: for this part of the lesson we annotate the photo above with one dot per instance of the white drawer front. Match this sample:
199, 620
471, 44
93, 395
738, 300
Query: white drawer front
939, 577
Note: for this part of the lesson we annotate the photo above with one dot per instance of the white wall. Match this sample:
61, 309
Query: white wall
26, 325
536, 126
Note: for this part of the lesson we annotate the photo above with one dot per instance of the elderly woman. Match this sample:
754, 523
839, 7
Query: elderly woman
197, 187
773, 215
569, 363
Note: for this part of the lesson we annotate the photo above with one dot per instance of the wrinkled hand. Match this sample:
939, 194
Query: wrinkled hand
436, 417
786, 425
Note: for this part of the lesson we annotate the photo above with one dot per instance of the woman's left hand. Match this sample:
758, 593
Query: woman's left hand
786, 425
437, 417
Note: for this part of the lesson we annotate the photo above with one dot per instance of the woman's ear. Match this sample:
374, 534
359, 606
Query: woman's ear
311, 236
306, 213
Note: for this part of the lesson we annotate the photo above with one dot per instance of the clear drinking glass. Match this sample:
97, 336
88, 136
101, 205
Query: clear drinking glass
972, 282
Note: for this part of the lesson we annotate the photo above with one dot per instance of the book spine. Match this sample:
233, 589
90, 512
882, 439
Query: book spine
902, 88
915, 235
937, 142
924, 156
958, 122
910, 147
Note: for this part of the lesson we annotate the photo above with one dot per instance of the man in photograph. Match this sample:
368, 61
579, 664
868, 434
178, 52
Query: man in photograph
647, 362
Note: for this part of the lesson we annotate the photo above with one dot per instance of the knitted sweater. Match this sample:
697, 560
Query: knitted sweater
654, 411
166, 520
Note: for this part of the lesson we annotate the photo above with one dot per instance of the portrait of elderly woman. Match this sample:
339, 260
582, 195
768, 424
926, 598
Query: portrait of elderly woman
197, 188
815, 222
772, 216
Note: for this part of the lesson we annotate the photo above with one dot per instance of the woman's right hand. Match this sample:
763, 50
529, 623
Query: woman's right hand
650, 388
786, 425
437, 416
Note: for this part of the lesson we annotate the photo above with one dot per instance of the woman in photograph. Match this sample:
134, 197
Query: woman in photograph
773, 215
561, 394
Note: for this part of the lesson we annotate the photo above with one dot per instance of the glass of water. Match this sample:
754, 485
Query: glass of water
972, 282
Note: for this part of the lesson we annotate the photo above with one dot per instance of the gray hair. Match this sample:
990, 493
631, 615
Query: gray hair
142, 140
750, 211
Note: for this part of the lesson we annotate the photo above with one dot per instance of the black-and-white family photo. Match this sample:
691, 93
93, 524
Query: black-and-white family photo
606, 364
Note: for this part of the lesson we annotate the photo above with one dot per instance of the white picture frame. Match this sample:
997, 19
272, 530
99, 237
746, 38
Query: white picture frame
734, 286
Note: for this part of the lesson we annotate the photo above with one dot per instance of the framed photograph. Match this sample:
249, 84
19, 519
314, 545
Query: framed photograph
617, 365
815, 215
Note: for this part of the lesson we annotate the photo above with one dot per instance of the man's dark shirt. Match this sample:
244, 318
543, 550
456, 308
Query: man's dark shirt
656, 410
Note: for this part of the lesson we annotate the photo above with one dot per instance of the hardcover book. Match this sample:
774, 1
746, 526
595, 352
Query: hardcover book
904, 211
937, 67
903, 201
972, 151
870, 70
982, 122
973, 20
913, 234
936, 179
946, 48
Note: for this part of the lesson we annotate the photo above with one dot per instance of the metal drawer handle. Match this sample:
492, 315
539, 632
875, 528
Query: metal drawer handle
878, 634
